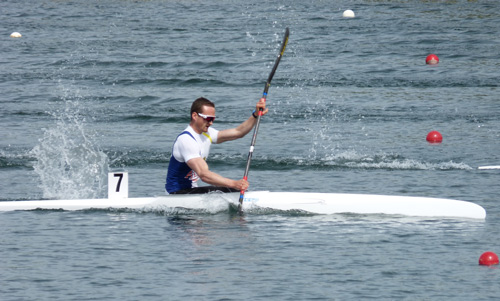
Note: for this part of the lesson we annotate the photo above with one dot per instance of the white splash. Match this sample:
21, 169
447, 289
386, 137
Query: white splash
68, 162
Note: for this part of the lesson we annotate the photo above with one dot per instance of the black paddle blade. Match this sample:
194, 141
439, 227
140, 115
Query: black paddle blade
278, 59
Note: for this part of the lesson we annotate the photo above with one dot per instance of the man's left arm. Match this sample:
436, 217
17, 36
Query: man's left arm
245, 127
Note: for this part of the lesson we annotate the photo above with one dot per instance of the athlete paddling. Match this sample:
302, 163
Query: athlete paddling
192, 146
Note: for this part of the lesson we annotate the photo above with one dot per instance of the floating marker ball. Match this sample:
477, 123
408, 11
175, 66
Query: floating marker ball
348, 14
431, 59
15, 35
434, 137
488, 258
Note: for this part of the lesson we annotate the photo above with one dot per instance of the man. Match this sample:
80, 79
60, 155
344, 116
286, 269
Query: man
187, 163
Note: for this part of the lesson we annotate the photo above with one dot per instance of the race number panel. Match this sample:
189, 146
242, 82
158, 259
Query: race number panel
117, 185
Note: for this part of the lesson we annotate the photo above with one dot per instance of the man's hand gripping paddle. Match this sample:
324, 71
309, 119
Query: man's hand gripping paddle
256, 129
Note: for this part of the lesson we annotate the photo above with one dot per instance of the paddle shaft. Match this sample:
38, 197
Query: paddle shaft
259, 115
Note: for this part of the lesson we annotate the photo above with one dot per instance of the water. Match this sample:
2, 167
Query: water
95, 86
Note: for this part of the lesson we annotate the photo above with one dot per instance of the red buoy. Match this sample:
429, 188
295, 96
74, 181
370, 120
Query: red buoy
488, 258
434, 137
432, 59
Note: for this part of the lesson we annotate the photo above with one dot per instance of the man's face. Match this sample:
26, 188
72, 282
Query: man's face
202, 123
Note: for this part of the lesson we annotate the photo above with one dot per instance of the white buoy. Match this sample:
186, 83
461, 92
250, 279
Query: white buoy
348, 14
15, 35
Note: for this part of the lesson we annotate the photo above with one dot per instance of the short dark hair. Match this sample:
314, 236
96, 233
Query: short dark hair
197, 106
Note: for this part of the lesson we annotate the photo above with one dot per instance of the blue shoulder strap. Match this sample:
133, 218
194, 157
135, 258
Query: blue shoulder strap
186, 132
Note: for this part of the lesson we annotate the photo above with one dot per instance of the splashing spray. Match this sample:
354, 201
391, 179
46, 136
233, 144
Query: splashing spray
68, 162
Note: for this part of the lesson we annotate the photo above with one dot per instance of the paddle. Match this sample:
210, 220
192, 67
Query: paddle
259, 115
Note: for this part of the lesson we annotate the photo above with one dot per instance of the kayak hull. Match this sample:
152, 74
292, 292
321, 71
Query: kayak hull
316, 203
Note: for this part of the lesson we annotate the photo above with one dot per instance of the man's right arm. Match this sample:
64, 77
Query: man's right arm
201, 168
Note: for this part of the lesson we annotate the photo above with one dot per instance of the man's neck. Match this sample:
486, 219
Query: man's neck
191, 124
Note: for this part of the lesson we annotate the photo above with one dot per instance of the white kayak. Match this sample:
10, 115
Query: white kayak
316, 203
489, 167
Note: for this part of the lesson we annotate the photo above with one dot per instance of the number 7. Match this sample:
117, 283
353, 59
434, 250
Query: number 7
119, 175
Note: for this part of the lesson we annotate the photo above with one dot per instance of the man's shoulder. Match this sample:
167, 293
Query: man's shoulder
185, 137
186, 134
